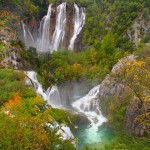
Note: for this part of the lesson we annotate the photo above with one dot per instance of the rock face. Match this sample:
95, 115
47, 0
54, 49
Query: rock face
110, 87
11, 57
134, 110
139, 28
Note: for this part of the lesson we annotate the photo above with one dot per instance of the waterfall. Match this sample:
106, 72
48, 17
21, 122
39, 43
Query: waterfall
59, 32
39, 90
43, 42
40, 39
79, 21
28, 38
53, 97
89, 106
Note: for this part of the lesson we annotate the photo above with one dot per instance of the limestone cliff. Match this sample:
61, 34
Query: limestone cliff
117, 91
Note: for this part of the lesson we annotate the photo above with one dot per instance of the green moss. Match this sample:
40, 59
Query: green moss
63, 117
126, 142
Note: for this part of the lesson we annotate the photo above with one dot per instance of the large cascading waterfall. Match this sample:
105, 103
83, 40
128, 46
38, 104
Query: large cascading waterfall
40, 39
79, 21
89, 106
59, 32
43, 41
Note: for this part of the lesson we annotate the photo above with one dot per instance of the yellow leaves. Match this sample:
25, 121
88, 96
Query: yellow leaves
112, 107
144, 120
137, 72
92, 57
139, 64
132, 67
77, 67
147, 74
146, 98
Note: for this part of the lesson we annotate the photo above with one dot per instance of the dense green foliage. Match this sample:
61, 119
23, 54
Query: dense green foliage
102, 16
105, 40
116, 16
12, 82
25, 118
90, 66
124, 141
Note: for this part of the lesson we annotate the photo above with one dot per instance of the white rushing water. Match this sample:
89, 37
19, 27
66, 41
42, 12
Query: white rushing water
51, 95
28, 38
53, 98
65, 133
33, 80
40, 39
79, 21
89, 106
59, 32
43, 41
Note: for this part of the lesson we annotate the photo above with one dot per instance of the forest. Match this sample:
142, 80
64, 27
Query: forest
113, 31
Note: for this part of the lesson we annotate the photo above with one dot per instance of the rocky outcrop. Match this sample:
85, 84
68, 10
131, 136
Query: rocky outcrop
109, 85
134, 110
137, 112
10, 57
139, 30
112, 87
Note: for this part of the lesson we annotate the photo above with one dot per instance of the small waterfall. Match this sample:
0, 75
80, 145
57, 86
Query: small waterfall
28, 38
89, 106
39, 90
53, 97
43, 42
59, 32
79, 21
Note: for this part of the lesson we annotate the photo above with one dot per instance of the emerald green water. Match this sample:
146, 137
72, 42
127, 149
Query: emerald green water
93, 137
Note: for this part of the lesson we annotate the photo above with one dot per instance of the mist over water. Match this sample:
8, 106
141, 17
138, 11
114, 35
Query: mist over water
71, 96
